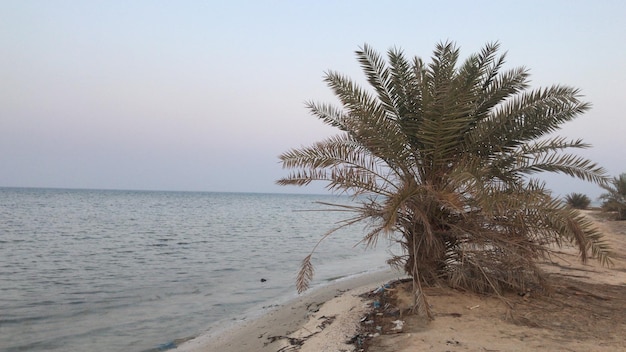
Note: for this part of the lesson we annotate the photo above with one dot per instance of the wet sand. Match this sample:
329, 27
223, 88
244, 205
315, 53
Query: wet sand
300, 320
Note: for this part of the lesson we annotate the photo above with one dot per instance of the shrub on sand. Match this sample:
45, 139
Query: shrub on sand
577, 200
615, 197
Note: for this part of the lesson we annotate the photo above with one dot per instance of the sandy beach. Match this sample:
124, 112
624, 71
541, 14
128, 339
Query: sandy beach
584, 312
319, 320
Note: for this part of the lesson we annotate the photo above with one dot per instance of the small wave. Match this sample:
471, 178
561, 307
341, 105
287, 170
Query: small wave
20, 320
224, 270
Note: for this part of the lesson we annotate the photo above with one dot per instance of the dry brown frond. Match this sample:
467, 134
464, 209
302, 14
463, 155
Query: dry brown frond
421, 300
305, 275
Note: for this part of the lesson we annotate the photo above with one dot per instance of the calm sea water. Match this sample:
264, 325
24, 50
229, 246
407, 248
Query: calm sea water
84, 270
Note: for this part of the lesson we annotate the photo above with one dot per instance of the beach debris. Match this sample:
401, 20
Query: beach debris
376, 304
167, 346
356, 340
313, 307
381, 289
399, 324
453, 342
473, 307
292, 340
326, 321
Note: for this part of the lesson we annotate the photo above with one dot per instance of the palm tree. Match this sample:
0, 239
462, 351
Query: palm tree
439, 157
615, 198
577, 200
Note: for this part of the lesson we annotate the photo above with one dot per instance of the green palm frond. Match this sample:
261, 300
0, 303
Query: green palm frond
531, 115
379, 77
368, 122
331, 115
334, 151
567, 164
443, 66
497, 89
356, 101
342, 162
303, 178
406, 85
552, 145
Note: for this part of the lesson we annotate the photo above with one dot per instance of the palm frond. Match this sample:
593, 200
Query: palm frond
379, 77
567, 164
306, 272
531, 115
331, 115
305, 275
334, 151
497, 89
579, 231
406, 79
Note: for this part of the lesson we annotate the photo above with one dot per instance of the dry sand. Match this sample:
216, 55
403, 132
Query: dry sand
586, 312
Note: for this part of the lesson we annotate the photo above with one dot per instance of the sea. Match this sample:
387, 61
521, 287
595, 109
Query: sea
108, 270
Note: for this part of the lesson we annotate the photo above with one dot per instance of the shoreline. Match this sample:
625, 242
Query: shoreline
296, 320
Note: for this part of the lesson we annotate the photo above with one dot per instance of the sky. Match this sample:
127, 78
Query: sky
204, 95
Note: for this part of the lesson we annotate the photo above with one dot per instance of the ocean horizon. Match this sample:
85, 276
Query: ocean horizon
124, 270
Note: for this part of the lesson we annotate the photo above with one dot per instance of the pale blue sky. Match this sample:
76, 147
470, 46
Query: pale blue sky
203, 95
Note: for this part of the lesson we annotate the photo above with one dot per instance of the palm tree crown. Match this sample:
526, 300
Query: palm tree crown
441, 155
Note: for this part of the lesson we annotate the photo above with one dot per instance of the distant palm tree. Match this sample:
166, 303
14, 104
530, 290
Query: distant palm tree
615, 198
577, 200
440, 157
